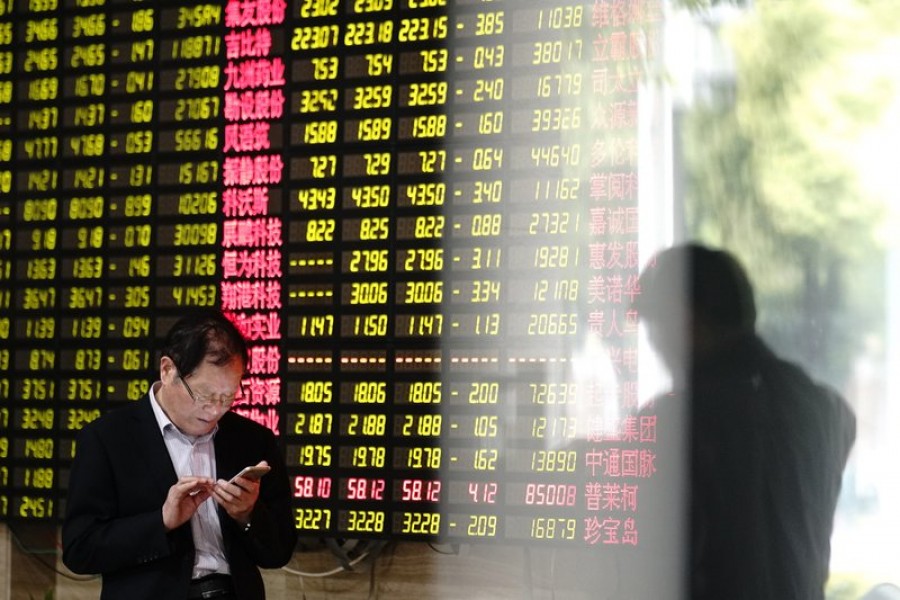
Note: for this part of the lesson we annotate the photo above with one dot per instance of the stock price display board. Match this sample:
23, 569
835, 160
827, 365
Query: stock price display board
422, 213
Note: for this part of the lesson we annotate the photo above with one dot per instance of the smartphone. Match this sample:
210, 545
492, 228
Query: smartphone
255, 472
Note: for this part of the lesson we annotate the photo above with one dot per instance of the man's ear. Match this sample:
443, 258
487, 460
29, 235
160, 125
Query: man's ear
167, 370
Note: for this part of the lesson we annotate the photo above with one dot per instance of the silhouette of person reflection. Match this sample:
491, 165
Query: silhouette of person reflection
767, 445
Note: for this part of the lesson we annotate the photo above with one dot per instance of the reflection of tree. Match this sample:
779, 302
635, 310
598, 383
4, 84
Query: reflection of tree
772, 163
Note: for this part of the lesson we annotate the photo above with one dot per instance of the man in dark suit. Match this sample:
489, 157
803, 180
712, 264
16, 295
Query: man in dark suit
150, 506
767, 444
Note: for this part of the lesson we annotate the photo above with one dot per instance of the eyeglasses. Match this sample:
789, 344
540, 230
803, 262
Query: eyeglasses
223, 403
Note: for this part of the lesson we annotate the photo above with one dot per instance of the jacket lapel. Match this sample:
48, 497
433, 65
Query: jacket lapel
148, 437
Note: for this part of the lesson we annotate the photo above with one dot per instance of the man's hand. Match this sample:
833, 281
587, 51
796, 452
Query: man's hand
183, 499
237, 497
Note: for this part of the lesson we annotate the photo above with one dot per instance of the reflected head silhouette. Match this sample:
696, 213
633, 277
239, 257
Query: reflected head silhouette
693, 299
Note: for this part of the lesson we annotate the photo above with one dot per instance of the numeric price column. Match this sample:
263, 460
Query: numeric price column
129, 85
189, 226
479, 404
314, 262
366, 295
84, 233
7, 254
549, 238
38, 33
423, 96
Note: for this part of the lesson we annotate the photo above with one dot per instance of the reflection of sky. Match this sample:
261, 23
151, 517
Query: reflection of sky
866, 543
867, 524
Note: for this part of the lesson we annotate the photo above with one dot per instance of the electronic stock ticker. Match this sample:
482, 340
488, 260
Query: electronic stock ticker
422, 213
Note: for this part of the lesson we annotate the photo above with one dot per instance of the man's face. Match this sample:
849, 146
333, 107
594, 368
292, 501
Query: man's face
196, 402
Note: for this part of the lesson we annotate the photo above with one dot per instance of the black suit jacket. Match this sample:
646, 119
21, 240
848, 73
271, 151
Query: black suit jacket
119, 481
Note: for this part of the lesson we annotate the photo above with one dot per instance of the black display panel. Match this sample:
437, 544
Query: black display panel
424, 214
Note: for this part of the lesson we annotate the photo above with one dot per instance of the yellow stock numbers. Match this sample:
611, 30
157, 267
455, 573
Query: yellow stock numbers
198, 78
314, 455
94, 84
316, 392
139, 142
424, 392
312, 519
192, 140
372, 96
201, 108
554, 461
423, 259
368, 292
39, 209
142, 20
370, 521
315, 37
200, 15
319, 8
322, 100
564, 118
88, 55
325, 67
373, 129
420, 29
320, 132
368, 261
428, 93
423, 292
90, 25
313, 423
423, 457
368, 32
365, 424
194, 47
191, 203
41, 268
203, 265
37, 6
87, 267
44, 88
426, 425
489, 23
429, 227
552, 324
43, 30
561, 17
320, 230
421, 523
429, 126
86, 207
426, 194
434, 61
370, 6
196, 234
88, 144
317, 198
138, 205
369, 392
374, 228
